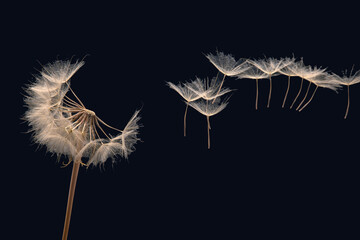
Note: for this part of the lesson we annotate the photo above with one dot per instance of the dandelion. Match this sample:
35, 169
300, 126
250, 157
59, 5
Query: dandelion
205, 89
227, 65
254, 73
66, 127
347, 80
208, 109
300, 70
287, 71
322, 80
271, 67
187, 94
309, 73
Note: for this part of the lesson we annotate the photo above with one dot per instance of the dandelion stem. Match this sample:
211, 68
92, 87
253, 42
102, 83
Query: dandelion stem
187, 106
287, 91
222, 82
208, 130
307, 91
257, 94
301, 84
348, 104
70, 201
310, 99
268, 104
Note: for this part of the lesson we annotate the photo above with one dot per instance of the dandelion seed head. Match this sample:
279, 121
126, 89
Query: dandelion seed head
65, 126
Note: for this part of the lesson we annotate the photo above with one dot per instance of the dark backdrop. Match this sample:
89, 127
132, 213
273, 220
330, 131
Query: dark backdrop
273, 172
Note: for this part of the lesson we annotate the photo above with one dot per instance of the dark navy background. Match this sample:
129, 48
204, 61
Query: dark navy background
271, 173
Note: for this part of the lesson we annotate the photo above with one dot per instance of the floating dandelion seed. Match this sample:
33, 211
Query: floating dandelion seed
347, 80
287, 72
300, 70
66, 127
227, 65
198, 89
186, 94
324, 81
205, 89
254, 73
208, 109
311, 74
270, 66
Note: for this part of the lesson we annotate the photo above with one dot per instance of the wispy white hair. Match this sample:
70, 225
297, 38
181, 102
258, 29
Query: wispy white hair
227, 64
271, 66
206, 89
253, 73
65, 126
345, 79
325, 80
286, 70
60, 72
306, 72
207, 108
184, 91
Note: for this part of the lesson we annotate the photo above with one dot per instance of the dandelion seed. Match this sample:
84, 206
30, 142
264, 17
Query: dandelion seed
309, 73
227, 65
66, 127
254, 73
271, 67
322, 80
311, 80
300, 70
208, 110
186, 94
207, 90
306, 93
347, 80
287, 71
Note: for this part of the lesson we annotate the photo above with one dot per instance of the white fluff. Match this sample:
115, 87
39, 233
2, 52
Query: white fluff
299, 69
286, 70
207, 108
60, 72
122, 144
325, 80
253, 73
270, 66
65, 126
345, 79
184, 91
227, 64
206, 89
